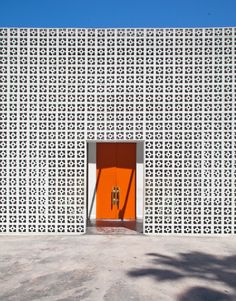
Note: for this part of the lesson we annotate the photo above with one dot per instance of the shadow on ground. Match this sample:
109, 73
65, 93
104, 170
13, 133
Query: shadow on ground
196, 265
199, 293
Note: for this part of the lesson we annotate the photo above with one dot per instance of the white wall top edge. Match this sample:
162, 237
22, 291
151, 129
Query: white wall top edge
120, 28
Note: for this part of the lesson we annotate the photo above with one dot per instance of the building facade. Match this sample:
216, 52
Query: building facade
171, 92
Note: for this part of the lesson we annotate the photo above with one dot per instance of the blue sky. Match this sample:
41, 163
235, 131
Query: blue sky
117, 13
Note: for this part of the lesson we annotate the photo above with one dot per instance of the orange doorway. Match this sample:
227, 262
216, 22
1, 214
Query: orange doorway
116, 178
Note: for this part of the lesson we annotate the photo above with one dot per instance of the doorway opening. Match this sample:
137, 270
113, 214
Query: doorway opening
115, 185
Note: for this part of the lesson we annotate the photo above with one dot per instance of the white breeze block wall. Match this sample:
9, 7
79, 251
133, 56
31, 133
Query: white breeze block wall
174, 89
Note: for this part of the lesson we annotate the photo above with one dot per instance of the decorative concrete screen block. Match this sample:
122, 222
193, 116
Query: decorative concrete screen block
174, 89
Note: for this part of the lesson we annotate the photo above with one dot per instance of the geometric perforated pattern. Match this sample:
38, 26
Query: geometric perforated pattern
172, 88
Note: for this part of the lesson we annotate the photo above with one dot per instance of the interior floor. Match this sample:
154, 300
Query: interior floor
122, 227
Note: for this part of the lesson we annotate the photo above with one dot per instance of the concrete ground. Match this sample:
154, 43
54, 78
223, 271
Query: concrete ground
117, 267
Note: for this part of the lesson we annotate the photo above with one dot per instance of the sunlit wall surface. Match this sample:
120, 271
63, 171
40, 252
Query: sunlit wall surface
172, 88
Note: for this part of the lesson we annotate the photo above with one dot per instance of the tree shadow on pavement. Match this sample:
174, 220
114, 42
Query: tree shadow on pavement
195, 265
199, 293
